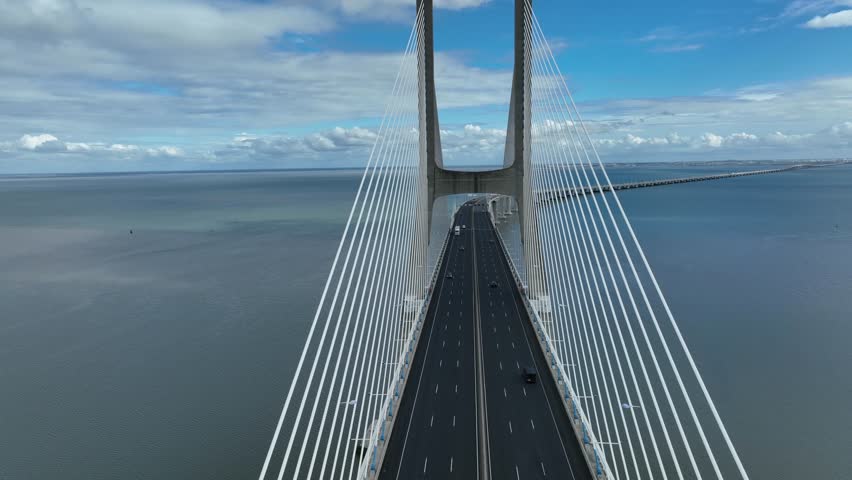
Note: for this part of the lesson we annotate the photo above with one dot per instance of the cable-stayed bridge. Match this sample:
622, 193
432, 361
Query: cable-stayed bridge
418, 360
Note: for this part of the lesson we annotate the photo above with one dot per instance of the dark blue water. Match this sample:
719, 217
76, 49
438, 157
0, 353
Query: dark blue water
166, 353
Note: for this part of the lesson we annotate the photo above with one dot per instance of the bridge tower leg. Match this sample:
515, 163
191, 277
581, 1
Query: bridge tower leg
510, 180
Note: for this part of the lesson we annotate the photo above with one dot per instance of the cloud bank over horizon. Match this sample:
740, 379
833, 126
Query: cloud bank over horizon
198, 84
467, 145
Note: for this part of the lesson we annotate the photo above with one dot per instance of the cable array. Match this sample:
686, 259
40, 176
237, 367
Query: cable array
619, 353
353, 363
631, 385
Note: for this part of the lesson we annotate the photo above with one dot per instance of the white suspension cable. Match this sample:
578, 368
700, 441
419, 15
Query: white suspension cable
363, 355
350, 240
553, 179
340, 351
333, 342
647, 379
312, 329
581, 192
365, 388
546, 173
663, 301
663, 383
382, 303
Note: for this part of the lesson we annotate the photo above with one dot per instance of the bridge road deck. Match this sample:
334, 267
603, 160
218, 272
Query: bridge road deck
516, 430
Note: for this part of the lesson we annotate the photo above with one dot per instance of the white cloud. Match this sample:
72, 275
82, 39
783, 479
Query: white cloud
399, 10
675, 40
47, 145
462, 145
832, 20
342, 145
661, 34
842, 130
801, 120
190, 73
351, 137
190, 25
196, 65
122, 148
757, 97
689, 47
799, 8
742, 138
712, 140
39, 142
796, 10
799, 107
473, 144
468, 144
459, 4
164, 151
633, 143
250, 90
834, 142
78, 147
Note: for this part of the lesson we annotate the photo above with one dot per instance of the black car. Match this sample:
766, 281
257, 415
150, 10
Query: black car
461, 249
529, 375
493, 284
450, 275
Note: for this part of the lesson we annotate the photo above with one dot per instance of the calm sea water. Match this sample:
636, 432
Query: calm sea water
166, 353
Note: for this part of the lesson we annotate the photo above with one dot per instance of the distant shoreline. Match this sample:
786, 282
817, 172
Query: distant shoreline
697, 163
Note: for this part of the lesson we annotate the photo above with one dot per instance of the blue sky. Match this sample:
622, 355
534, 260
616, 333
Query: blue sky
117, 85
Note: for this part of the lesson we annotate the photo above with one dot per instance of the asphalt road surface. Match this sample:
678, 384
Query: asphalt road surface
466, 412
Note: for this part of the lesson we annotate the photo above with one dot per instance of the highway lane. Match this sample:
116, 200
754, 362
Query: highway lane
528, 425
466, 412
435, 433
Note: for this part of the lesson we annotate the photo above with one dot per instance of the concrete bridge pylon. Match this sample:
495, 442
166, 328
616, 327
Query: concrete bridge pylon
512, 178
